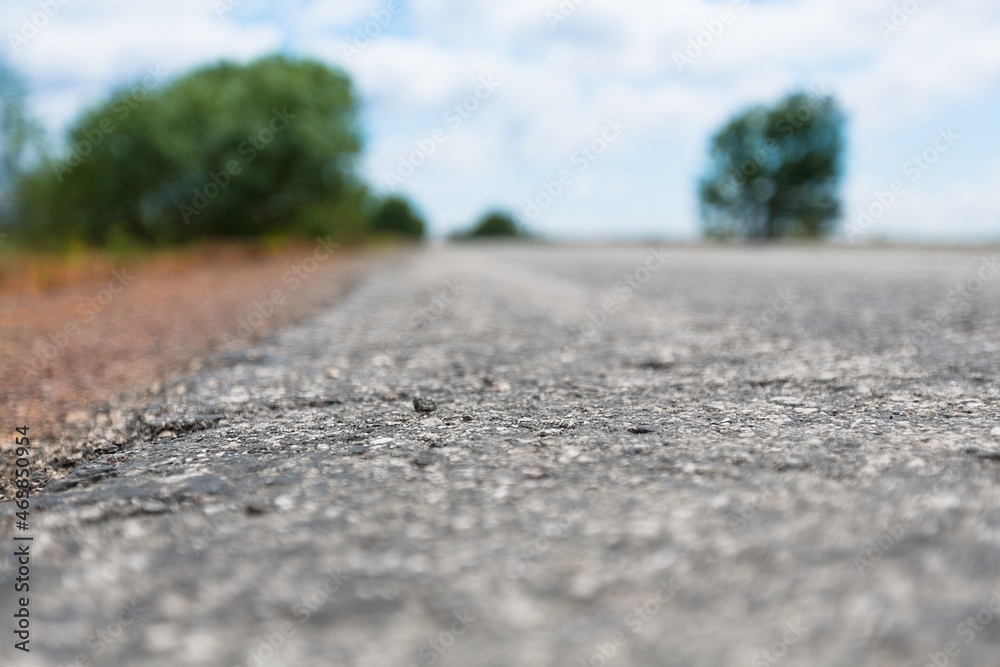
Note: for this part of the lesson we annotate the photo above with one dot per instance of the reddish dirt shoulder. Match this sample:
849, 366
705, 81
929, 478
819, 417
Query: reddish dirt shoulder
79, 334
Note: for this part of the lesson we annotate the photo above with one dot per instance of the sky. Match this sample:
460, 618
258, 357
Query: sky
589, 119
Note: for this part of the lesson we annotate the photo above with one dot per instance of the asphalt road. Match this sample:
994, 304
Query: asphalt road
638, 456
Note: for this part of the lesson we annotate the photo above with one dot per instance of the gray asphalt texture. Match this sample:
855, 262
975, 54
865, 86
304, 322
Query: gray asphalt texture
623, 456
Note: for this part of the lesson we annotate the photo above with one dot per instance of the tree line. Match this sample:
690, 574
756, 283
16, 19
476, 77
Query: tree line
270, 148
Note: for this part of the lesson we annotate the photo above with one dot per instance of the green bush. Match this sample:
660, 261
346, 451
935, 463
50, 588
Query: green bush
395, 216
230, 150
493, 225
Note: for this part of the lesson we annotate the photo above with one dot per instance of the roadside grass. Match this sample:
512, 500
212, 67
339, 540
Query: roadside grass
28, 271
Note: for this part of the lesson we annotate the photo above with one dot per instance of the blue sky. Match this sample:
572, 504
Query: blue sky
560, 72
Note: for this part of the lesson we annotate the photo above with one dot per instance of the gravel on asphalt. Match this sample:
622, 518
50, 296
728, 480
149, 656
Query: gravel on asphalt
638, 456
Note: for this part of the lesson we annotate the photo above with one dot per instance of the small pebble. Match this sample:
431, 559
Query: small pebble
154, 507
421, 404
423, 459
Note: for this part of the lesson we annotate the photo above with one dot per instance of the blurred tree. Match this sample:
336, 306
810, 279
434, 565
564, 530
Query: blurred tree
20, 136
495, 224
396, 216
228, 150
775, 172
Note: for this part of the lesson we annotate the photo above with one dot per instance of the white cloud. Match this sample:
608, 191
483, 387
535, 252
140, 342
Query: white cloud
928, 211
86, 50
559, 83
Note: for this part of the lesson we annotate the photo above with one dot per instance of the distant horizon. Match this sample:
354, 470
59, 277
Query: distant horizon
834, 241
489, 107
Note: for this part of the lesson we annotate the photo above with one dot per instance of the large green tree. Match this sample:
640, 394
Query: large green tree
776, 172
228, 150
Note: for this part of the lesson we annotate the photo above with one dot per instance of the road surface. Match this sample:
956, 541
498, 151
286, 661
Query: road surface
638, 456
